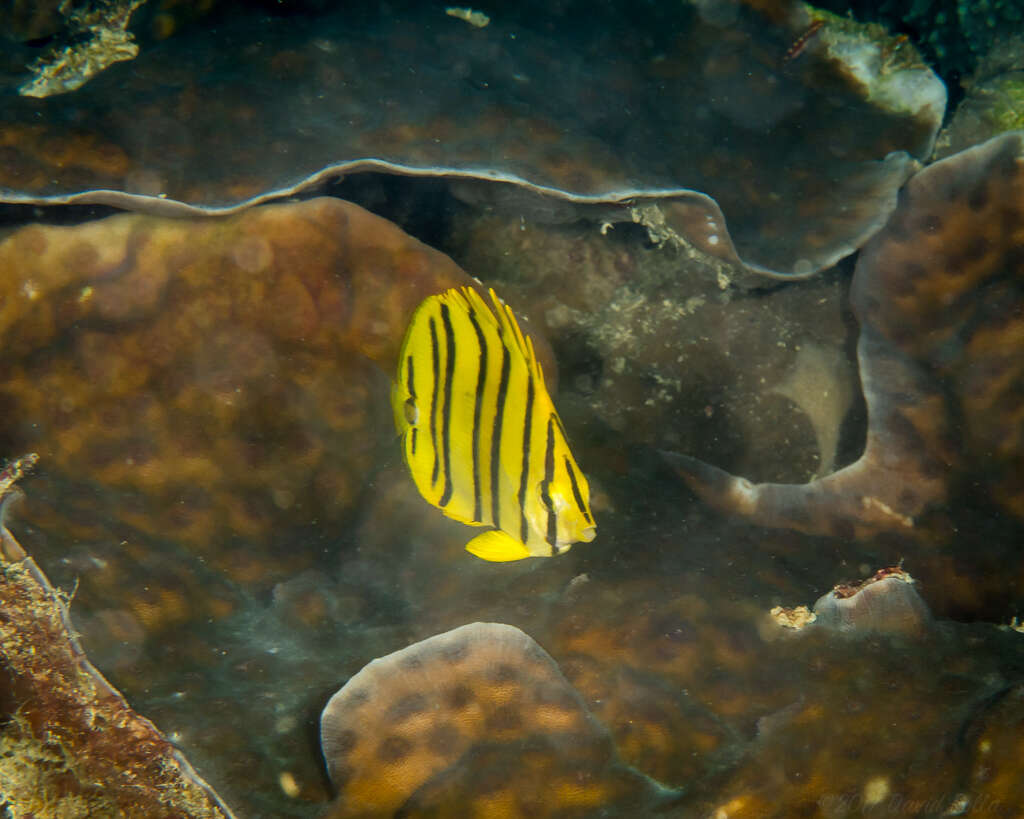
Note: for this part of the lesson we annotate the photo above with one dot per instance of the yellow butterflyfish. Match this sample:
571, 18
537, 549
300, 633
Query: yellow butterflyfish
480, 434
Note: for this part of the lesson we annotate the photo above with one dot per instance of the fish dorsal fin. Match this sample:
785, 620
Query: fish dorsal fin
509, 325
497, 547
534, 362
514, 336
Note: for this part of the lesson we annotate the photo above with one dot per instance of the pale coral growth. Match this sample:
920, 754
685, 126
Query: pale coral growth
795, 618
477, 19
71, 67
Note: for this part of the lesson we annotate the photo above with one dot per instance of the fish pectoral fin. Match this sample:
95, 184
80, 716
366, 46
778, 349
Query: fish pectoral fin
497, 546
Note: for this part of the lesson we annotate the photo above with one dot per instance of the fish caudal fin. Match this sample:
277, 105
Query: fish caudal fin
497, 547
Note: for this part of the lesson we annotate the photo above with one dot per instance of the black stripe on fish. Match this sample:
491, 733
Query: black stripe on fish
576, 491
435, 356
499, 412
524, 528
481, 381
411, 385
446, 412
561, 429
545, 487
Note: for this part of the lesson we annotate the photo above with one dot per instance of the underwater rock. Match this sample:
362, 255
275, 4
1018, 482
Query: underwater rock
938, 294
470, 722
885, 603
767, 144
69, 743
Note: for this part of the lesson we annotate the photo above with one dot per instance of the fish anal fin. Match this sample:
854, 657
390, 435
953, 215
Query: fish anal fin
497, 547
450, 513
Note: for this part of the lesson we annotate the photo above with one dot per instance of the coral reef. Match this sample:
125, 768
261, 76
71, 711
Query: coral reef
70, 745
528, 102
991, 739
771, 726
221, 492
938, 296
25, 20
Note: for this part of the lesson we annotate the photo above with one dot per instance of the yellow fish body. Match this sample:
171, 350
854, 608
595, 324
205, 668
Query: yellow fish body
481, 437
